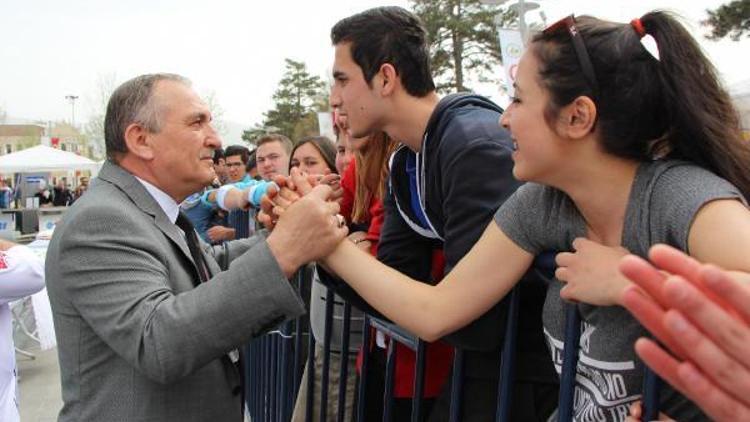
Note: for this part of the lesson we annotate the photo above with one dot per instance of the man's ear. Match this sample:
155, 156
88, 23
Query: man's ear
387, 79
578, 118
139, 142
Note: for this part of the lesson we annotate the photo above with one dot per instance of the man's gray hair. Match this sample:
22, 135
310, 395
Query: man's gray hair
133, 102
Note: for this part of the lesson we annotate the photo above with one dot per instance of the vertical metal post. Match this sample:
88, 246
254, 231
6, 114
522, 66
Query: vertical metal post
343, 372
570, 362
650, 404
273, 376
416, 404
297, 368
361, 396
310, 376
326, 355
390, 371
508, 359
457, 384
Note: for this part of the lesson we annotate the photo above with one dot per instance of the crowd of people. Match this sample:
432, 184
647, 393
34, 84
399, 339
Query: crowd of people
61, 195
426, 211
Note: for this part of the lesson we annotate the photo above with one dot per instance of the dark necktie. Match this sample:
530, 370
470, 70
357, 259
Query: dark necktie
193, 245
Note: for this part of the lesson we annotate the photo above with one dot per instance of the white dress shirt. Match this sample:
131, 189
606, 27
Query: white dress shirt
169, 205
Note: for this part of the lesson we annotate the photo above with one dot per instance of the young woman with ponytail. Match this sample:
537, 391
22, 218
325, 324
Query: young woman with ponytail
627, 139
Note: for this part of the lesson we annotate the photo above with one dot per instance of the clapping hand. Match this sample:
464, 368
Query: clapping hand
701, 314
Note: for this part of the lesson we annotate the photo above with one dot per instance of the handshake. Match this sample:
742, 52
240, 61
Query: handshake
287, 190
302, 214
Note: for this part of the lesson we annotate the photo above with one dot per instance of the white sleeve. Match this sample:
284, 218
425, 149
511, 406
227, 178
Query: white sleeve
221, 193
21, 273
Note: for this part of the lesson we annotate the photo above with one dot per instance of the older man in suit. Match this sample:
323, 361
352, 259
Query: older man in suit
146, 318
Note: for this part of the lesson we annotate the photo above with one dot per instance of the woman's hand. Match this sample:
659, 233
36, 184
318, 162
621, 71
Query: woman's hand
360, 239
334, 181
636, 414
591, 273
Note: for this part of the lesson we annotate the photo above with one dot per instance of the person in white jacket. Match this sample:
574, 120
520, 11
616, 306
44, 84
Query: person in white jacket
21, 274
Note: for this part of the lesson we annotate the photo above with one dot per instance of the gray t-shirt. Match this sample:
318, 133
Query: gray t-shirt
664, 199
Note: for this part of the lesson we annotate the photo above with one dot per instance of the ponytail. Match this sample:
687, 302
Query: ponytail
704, 126
664, 105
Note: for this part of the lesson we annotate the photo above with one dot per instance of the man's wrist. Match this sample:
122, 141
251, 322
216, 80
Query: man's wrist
283, 254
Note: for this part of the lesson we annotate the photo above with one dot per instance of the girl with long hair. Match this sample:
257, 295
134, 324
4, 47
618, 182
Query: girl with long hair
627, 139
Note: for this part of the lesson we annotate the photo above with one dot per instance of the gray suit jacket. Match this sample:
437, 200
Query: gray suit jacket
139, 338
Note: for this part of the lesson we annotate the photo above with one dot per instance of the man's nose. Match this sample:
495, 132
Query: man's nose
334, 99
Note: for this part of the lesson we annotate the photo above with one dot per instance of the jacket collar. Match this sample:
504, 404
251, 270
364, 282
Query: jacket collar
133, 189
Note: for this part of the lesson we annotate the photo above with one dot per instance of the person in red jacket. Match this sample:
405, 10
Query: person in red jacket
364, 183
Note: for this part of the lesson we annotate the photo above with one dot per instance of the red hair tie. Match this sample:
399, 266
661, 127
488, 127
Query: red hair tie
638, 26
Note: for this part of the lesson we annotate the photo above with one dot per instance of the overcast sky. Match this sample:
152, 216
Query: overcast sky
235, 49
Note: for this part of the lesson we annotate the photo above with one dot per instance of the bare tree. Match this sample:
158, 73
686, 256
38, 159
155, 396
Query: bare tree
217, 111
97, 103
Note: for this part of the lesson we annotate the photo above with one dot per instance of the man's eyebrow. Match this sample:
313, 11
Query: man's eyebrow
199, 115
338, 74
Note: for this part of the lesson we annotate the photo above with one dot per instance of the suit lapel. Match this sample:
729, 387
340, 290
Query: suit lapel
137, 193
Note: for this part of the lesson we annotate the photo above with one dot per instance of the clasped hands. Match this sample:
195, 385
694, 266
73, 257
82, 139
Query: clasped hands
291, 189
302, 215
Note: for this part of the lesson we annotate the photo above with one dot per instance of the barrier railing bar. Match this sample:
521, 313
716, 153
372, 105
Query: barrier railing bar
390, 371
416, 405
343, 372
326, 355
651, 386
569, 363
287, 373
457, 383
395, 332
508, 359
274, 376
270, 372
361, 396
310, 375
297, 368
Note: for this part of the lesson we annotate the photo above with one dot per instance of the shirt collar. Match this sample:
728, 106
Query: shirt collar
167, 204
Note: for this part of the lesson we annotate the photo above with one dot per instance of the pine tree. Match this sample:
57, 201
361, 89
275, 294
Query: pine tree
296, 101
463, 40
731, 19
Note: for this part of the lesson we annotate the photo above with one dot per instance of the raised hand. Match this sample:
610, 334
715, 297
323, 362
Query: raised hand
591, 273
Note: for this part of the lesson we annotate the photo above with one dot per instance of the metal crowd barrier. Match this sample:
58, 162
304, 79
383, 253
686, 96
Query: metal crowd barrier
274, 365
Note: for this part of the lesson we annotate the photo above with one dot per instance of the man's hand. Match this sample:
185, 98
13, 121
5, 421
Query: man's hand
591, 273
307, 230
220, 233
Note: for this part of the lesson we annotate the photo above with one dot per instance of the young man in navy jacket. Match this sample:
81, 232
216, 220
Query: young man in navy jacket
452, 173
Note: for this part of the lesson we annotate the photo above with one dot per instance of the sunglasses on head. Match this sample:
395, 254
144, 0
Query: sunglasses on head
569, 23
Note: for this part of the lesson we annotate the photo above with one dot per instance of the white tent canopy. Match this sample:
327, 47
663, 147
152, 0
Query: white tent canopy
43, 158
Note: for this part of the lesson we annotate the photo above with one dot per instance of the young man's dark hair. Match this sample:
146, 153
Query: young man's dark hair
233, 150
218, 155
252, 162
388, 35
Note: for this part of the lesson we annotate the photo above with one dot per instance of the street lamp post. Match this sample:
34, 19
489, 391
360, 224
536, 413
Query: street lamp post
72, 99
521, 7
